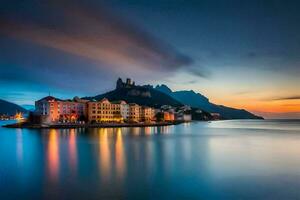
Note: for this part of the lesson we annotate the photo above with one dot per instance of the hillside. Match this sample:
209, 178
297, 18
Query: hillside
8, 108
197, 100
141, 95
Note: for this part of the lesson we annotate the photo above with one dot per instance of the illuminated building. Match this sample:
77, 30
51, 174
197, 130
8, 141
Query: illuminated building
54, 110
104, 111
124, 109
215, 116
19, 116
146, 114
168, 116
181, 116
134, 112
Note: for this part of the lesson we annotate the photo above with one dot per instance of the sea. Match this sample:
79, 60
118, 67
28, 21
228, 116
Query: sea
234, 159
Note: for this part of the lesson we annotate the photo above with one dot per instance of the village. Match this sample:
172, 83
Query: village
51, 111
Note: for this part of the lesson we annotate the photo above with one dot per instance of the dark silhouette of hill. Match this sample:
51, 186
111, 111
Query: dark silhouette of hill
197, 100
142, 95
8, 108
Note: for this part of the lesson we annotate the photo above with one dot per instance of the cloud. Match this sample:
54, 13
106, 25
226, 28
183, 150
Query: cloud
252, 54
191, 82
199, 72
279, 115
291, 104
99, 35
293, 97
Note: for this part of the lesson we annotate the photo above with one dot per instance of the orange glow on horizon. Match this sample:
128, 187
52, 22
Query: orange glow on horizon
262, 106
279, 106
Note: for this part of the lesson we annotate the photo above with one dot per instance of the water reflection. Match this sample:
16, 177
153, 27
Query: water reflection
72, 150
119, 154
147, 131
164, 129
104, 152
19, 146
135, 131
196, 160
112, 161
53, 154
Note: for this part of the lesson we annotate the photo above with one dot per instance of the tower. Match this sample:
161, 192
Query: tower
119, 83
128, 81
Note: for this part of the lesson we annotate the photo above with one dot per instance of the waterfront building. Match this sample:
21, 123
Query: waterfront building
167, 108
104, 111
185, 108
215, 116
124, 109
18, 116
168, 116
53, 110
185, 117
146, 114
134, 112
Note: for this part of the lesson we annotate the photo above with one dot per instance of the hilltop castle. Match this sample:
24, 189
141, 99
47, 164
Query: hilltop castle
127, 84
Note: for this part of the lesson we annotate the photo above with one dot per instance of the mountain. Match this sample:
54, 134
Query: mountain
8, 108
197, 100
142, 95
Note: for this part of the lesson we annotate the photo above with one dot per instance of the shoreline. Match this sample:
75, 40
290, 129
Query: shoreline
104, 125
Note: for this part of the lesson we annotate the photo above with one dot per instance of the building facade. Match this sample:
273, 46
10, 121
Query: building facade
104, 111
147, 114
124, 110
168, 116
134, 112
183, 117
53, 110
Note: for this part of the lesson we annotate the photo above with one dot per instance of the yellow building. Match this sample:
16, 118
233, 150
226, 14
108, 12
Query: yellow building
134, 112
104, 111
146, 114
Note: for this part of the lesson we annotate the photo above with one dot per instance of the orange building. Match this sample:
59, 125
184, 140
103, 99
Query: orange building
168, 116
104, 111
54, 110
146, 114
134, 112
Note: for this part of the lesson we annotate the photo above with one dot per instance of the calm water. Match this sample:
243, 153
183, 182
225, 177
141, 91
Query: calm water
219, 160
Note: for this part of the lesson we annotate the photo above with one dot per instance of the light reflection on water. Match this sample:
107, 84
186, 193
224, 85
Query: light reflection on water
53, 154
105, 155
225, 159
73, 150
19, 146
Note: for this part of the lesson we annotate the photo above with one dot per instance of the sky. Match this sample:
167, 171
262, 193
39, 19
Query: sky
242, 54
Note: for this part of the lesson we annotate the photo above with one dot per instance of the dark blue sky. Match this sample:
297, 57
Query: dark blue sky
237, 53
